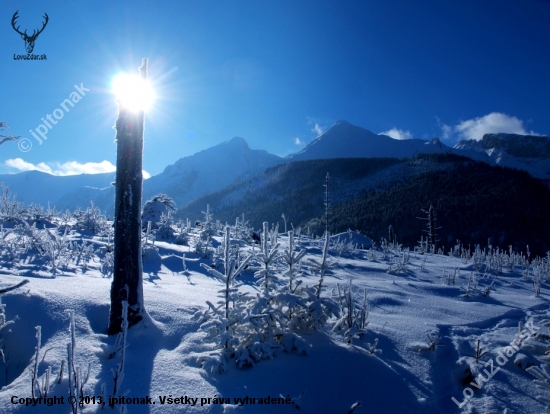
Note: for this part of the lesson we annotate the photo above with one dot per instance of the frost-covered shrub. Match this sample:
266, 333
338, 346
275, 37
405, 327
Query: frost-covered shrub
202, 247
86, 253
107, 263
354, 312
347, 243
320, 309
222, 320
242, 229
470, 288
165, 230
4, 334
181, 233
292, 257
10, 209
266, 258
542, 382
208, 228
154, 209
229, 298
90, 219
250, 329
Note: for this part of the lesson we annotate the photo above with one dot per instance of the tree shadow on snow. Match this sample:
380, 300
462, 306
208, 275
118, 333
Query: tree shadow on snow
144, 340
367, 379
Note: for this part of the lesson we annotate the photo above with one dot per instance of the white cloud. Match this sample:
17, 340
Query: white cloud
397, 134
317, 129
447, 131
493, 123
74, 167
297, 141
67, 168
22, 165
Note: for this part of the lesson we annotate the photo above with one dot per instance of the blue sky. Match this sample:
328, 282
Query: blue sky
276, 73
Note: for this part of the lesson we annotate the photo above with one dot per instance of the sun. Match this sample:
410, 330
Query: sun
133, 92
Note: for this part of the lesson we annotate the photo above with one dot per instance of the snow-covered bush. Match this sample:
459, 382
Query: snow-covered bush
10, 209
266, 258
4, 334
320, 308
242, 229
222, 321
470, 288
90, 219
86, 253
250, 329
107, 263
208, 227
347, 243
202, 247
77, 378
354, 314
154, 209
165, 230
542, 375
181, 233
292, 258
24, 240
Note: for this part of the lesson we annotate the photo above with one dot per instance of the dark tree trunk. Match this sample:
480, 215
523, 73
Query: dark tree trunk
127, 270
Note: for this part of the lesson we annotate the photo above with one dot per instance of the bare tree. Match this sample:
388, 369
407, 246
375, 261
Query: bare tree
327, 203
431, 224
9, 137
127, 285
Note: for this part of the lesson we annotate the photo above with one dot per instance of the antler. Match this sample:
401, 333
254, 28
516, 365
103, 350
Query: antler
13, 19
34, 33
43, 26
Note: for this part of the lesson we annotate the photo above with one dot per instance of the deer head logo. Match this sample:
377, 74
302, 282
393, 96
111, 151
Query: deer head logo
29, 40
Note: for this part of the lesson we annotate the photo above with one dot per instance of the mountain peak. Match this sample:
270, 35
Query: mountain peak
341, 122
340, 125
344, 140
341, 140
236, 141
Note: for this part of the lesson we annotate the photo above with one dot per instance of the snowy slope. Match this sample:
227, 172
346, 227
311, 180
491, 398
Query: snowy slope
190, 177
208, 171
43, 188
523, 152
194, 176
406, 307
343, 140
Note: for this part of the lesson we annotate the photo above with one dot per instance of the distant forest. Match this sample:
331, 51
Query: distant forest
473, 200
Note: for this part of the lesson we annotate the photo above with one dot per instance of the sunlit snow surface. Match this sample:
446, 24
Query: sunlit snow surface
162, 354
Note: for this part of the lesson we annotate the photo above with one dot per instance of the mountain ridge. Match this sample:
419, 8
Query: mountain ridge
368, 195
521, 146
214, 168
344, 140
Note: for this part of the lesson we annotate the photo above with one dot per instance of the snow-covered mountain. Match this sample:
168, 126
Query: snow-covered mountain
209, 171
343, 140
40, 188
219, 166
190, 177
524, 152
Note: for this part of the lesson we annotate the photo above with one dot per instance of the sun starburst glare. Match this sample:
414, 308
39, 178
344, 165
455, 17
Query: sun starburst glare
133, 92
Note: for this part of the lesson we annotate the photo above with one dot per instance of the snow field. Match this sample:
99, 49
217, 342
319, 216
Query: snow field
405, 308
